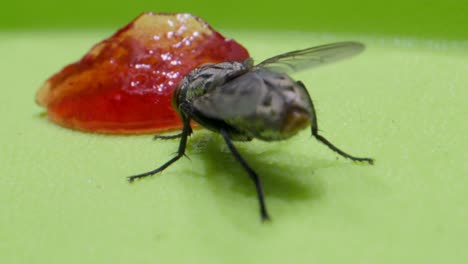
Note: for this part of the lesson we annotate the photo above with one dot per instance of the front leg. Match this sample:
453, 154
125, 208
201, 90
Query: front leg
178, 135
181, 152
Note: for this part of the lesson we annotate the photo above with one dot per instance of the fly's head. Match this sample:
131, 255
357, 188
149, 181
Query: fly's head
205, 78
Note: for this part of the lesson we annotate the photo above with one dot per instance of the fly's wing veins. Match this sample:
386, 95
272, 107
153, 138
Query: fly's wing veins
299, 60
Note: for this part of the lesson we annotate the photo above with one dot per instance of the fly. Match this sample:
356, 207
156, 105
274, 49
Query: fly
242, 101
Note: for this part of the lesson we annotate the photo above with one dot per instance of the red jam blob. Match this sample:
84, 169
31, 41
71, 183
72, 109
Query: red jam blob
124, 84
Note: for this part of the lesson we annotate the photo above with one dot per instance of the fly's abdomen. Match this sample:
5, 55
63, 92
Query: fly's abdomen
266, 105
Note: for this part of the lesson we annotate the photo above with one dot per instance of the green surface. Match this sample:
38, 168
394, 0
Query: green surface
64, 197
429, 18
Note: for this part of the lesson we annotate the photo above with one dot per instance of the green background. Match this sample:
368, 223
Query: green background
64, 197
431, 19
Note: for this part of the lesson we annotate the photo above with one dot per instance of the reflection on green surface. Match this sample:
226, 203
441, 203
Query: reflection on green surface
64, 197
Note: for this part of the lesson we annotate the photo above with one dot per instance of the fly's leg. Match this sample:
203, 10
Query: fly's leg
328, 143
181, 152
252, 174
179, 135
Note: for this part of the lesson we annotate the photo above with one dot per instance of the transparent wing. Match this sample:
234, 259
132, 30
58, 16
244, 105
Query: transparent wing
298, 60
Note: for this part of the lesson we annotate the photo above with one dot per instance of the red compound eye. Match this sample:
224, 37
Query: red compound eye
124, 84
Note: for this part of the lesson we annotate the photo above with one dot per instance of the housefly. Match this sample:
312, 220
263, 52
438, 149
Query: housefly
242, 101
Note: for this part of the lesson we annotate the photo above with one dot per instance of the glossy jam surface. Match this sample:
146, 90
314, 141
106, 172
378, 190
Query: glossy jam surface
124, 84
